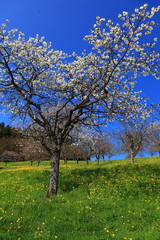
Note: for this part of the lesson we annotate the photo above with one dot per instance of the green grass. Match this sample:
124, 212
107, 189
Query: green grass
111, 201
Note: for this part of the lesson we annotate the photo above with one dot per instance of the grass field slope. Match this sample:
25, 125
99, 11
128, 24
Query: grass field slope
112, 201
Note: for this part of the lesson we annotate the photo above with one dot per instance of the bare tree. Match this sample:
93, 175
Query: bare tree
74, 151
45, 88
154, 143
109, 149
103, 147
133, 137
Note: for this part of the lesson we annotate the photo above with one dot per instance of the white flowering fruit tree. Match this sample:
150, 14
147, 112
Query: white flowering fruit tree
56, 92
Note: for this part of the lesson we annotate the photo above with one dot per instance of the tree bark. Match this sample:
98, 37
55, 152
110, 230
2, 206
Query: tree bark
65, 161
132, 158
38, 163
53, 185
97, 161
86, 160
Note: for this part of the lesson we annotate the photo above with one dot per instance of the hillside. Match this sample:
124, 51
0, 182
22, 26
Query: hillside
111, 201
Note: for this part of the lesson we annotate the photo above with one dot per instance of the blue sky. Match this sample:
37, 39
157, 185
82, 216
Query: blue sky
66, 22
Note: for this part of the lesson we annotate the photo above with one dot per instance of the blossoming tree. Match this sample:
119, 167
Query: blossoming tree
55, 92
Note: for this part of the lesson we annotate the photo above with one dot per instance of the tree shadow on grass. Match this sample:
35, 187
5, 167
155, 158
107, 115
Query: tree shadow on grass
80, 177
83, 177
68, 181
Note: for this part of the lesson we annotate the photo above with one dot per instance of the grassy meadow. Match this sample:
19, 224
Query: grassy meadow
114, 201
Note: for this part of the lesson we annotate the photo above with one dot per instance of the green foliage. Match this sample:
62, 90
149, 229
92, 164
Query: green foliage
111, 201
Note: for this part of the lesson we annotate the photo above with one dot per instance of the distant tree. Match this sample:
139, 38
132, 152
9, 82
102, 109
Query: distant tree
85, 138
95, 144
73, 151
86, 142
103, 147
46, 88
97, 148
133, 137
65, 150
150, 149
109, 150
154, 131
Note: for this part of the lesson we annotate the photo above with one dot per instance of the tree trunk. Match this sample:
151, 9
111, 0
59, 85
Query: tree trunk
38, 163
65, 161
53, 185
97, 160
132, 158
87, 161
